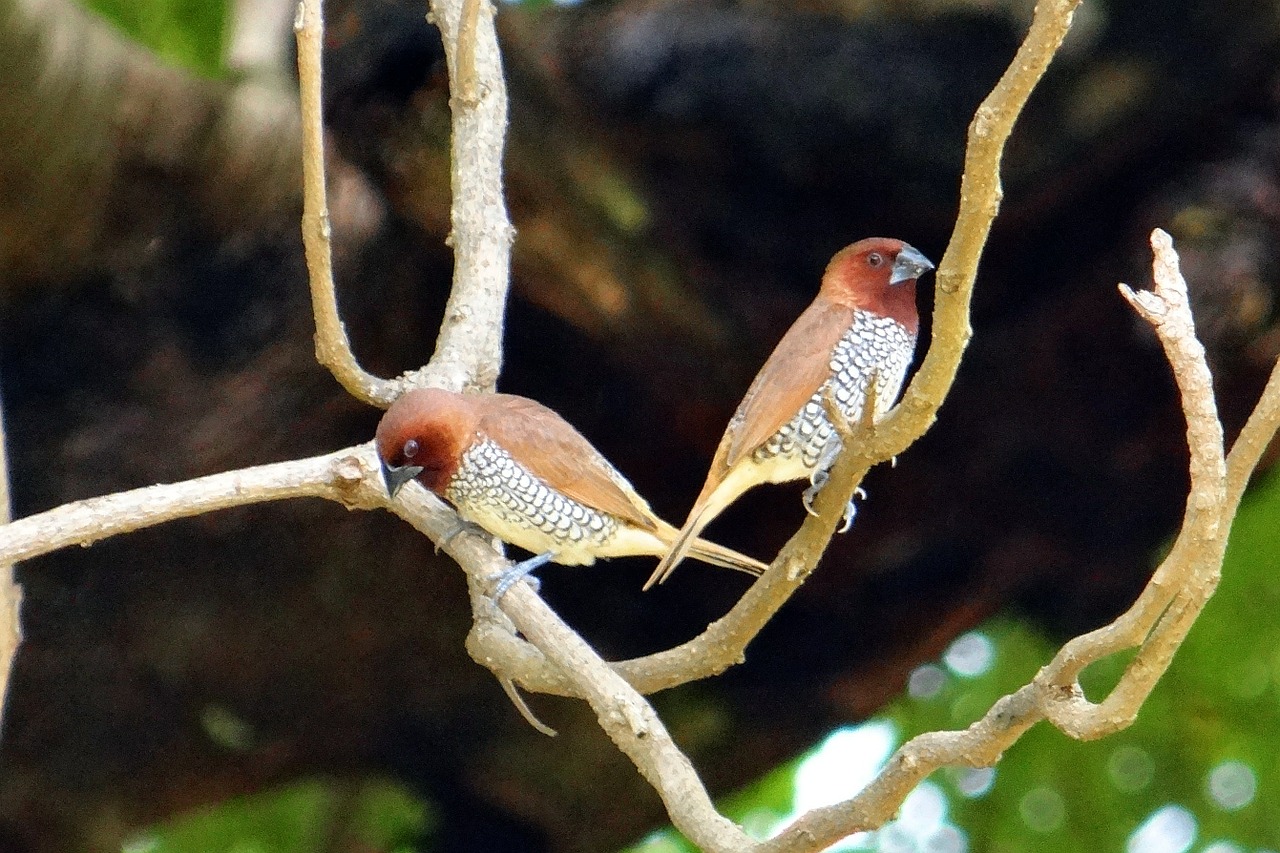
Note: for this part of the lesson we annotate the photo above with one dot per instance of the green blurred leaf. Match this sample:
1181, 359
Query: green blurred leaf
190, 33
299, 818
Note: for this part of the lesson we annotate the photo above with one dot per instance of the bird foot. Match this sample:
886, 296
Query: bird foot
513, 575
817, 480
851, 511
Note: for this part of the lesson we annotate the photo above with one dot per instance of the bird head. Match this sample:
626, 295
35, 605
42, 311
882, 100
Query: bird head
423, 436
877, 274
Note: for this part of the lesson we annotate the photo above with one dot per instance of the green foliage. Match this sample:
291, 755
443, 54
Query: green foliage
300, 818
190, 33
1198, 771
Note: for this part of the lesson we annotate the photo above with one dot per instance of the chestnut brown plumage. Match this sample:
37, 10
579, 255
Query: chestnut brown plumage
520, 471
862, 323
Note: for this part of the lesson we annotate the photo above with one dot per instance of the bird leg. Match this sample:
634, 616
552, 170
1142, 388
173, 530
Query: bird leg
820, 474
818, 479
458, 527
518, 571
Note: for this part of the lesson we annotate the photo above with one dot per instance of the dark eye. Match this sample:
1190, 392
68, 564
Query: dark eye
875, 259
410, 449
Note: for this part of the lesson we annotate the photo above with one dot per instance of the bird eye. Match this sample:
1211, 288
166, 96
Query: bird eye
410, 449
875, 259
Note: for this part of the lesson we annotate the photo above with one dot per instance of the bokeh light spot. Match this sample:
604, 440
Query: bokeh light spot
1131, 768
843, 764
1231, 785
1042, 809
926, 681
145, 843
974, 782
1223, 847
948, 839
970, 654
1170, 829
924, 810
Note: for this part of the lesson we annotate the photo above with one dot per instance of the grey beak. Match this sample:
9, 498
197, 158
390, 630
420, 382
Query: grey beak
910, 264
395, 477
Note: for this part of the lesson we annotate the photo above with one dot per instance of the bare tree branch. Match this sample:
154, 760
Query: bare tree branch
468, 352
349, 476
1158, 622
556, 659
980, 195
1190, 572
1253, 440
10, 592
469, 349
333, 349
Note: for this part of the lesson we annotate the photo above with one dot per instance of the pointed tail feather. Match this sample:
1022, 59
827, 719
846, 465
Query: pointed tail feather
725, 558
681, 545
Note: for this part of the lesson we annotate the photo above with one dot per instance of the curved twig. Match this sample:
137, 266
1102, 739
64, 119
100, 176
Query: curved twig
333, 348
10, 592
1158, 622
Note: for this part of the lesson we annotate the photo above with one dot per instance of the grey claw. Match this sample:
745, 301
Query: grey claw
807, 499
850, 510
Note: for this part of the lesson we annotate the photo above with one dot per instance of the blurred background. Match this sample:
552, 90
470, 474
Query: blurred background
293, 677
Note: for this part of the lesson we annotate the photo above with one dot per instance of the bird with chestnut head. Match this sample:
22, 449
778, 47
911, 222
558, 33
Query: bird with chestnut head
517, 469
861, 326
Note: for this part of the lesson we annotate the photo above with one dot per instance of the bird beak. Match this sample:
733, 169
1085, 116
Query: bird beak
396, 476
909, 265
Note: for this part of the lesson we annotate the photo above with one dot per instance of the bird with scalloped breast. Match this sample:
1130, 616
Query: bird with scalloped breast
520, 471
862, 323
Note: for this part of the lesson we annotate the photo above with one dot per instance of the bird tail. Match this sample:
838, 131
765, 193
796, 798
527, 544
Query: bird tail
682, 544
725, 558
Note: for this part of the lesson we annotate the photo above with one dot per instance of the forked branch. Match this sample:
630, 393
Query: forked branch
554, 658
1156, 624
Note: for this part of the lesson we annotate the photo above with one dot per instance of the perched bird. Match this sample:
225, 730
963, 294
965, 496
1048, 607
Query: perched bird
863, 322
520, 471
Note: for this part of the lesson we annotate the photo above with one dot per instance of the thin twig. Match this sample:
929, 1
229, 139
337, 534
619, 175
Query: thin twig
10, 592
980, 196
1178, 591
1190, 571
468, 352
333, 349
1253, 440
350, 476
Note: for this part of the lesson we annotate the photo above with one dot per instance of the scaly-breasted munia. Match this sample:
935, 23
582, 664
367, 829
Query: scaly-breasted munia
520, 471
863, 322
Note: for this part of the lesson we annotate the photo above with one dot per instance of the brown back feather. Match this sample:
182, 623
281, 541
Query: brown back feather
800, 363
559, 455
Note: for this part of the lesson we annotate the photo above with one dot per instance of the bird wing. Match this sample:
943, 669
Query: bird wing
800, 363
560, 456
